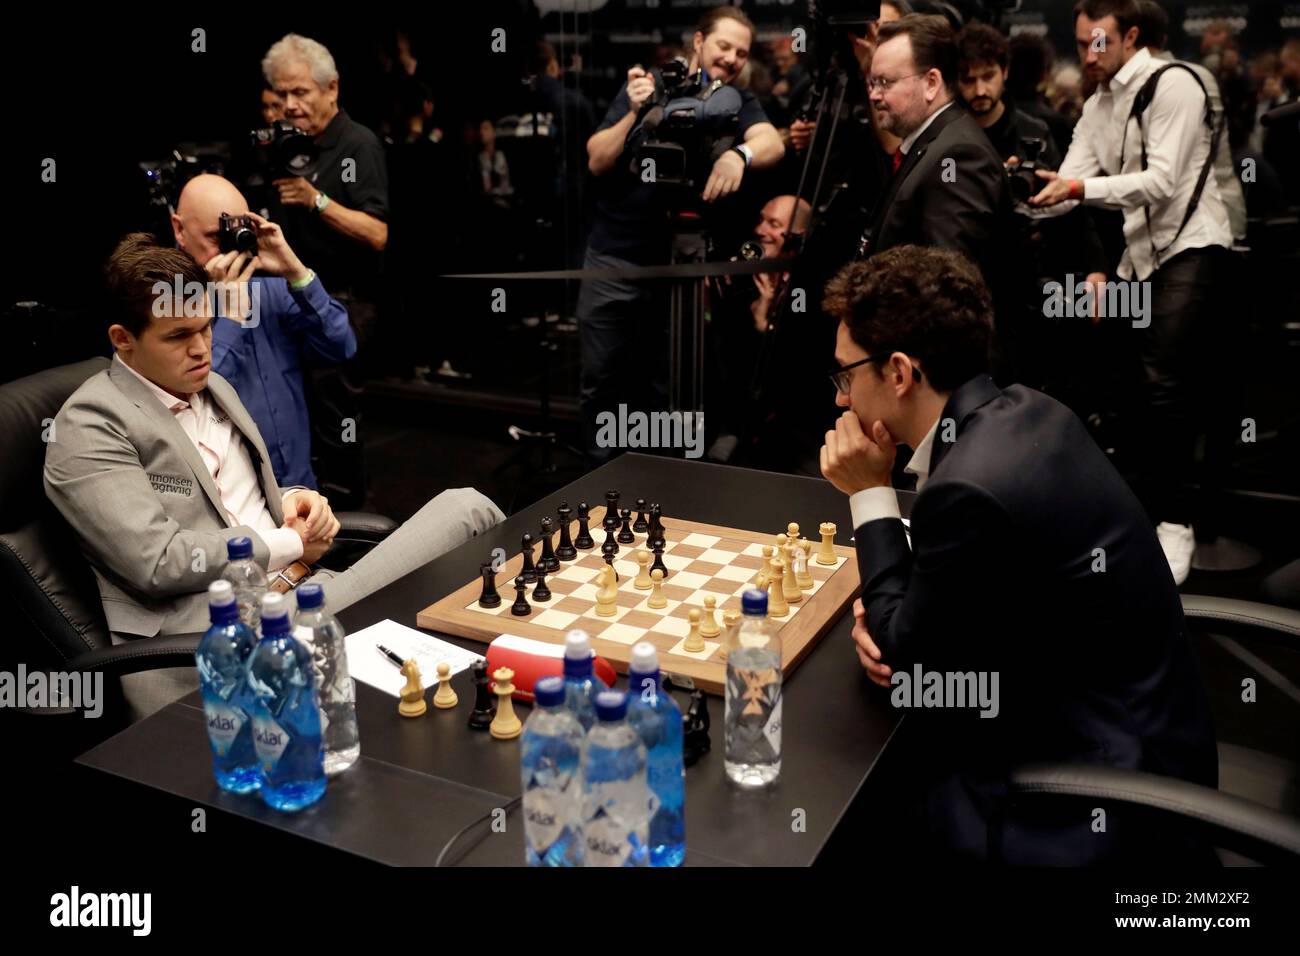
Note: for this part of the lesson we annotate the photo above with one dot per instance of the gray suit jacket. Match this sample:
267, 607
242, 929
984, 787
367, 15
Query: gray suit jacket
130, 482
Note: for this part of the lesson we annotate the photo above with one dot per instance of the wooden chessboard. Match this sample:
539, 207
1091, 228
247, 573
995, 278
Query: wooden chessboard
701, 559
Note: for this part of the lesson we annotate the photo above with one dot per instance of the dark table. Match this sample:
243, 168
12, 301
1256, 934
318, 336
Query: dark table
419, 783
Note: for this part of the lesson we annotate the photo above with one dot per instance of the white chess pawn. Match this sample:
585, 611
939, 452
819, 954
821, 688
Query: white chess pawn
445, 698
657, 599
643, 582
709, 626
694, 642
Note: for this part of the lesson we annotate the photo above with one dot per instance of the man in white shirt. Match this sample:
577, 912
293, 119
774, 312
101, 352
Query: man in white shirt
156, 465
1150, 169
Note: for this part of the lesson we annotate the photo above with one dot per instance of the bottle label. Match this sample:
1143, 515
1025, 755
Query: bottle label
224, 723
772, 729
270, 741
544, 817
607, 842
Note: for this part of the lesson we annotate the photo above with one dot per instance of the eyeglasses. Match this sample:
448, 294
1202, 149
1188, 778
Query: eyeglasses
884, 83
842, 377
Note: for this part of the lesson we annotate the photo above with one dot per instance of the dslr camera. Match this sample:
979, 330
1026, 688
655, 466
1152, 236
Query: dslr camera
284, 150
237, 234
1024, 178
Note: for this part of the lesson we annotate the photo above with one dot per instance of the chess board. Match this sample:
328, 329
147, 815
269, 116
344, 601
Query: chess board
702, 560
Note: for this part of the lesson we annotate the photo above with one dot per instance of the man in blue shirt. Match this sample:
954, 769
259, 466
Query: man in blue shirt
288, 319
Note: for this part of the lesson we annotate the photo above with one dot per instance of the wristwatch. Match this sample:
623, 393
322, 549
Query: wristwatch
745, 152
321, 202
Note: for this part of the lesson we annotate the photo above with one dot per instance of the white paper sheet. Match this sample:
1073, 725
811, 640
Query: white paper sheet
367, 663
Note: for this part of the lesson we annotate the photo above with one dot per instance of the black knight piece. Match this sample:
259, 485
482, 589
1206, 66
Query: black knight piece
583, 540
626, 536
548, 562
489, 597
480, 717
566, 551
541, 593
529, 570
641, 525
521, 607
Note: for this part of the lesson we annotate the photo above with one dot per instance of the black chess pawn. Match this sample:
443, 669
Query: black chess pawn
583, 540
541, 592
565, 551
659, 560
489, 597
641, 526
609, 559
626, 536
521, 607
548, 562
529, 570
611, 544
480, 717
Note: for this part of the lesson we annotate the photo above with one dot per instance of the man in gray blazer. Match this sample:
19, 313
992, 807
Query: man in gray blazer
157, 465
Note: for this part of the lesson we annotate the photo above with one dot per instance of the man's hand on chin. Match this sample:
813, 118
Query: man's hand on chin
852, 460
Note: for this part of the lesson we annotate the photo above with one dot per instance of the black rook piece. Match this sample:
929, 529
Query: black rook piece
484, 700
641, 526
626, 536
520, 607
489, 597
548, 562
529, 570
583, 540
566, 551
541, 592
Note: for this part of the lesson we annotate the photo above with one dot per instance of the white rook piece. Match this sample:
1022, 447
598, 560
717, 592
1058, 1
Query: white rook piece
826, 553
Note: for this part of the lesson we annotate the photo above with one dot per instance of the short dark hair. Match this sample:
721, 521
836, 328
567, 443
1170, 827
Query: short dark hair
934, 45
133, 268
709, 22
1125, 12
1153, 25
925, 302
980, 43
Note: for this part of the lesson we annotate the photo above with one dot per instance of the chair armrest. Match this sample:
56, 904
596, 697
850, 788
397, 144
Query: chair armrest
1244, 618
1254, 829
144, 654
363, 526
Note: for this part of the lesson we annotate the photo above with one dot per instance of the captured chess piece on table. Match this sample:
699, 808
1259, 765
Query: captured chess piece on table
484, 710
445, 698
412, 696
505, 725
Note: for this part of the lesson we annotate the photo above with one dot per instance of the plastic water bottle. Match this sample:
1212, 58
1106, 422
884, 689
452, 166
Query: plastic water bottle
222, 660
247, 578
552, 764
321, 633
657, 719
753, 697
580, 684
616, 801
286, 714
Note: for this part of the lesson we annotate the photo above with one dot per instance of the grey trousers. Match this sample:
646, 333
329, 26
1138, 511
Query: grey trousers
444, 523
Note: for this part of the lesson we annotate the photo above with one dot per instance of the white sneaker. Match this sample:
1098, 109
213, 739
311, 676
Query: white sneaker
1179, 543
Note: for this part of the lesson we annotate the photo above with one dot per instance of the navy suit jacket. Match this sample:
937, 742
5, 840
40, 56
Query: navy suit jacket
1010, 536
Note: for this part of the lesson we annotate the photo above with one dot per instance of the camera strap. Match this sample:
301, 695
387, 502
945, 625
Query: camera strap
1140, 103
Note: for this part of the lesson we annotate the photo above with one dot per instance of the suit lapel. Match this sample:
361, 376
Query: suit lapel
910, 161
228, 399
968, 397
134, 389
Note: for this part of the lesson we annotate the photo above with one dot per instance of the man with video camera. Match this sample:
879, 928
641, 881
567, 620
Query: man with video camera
276, 324
623, 324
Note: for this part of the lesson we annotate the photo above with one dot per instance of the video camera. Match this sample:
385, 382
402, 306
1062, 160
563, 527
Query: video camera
284, 150
1024, 181
683, 129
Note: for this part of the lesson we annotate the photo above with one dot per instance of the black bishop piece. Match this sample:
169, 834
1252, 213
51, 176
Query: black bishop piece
565, 551
529, 570
489, 597
584, 540
548, 562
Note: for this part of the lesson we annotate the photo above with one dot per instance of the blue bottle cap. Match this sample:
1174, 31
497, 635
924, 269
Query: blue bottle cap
754, 601
310, 596
611, 705
549, 691
275, 614
239, 548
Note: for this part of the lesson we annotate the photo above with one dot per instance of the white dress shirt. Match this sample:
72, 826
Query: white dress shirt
1177, 142
221, 447
871, 504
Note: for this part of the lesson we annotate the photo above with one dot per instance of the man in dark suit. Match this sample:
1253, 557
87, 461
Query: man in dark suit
949, 188
1031, 567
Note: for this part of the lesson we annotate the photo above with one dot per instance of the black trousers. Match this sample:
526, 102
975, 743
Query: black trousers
1187, 300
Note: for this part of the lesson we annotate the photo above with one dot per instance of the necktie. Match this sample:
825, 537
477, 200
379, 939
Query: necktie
898, 159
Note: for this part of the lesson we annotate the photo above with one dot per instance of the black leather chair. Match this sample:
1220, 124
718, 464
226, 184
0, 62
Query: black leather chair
48, 597
1234, 819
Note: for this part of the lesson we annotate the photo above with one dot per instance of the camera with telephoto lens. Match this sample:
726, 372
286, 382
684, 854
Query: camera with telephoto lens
237, 234
1024, 179
285, 150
